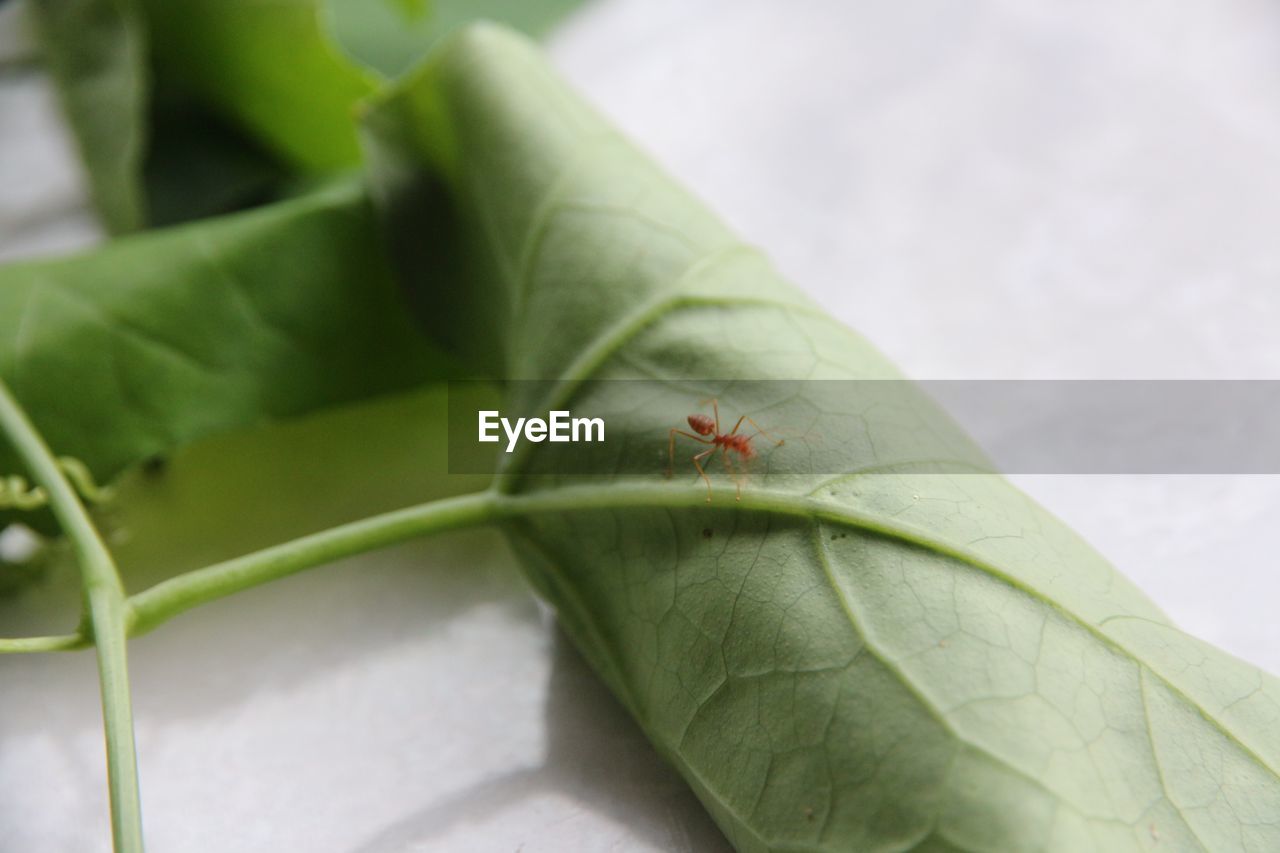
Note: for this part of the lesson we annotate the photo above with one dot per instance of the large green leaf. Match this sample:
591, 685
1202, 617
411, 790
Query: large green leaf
162, 338
880, 658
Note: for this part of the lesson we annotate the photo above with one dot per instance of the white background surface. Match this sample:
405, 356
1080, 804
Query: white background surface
986, 190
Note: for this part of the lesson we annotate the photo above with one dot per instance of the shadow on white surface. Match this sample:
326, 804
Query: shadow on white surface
416, 699
596, 758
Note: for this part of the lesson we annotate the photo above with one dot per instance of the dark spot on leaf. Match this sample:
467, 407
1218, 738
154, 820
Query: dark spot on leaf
706, 533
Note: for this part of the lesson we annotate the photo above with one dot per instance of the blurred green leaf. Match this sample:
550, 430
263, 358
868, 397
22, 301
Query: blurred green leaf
97, 53
271, 67
236, 492
202, 165
159, 339
190, 108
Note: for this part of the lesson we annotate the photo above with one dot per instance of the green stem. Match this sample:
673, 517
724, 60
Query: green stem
167, 599
108, 613
58, 643
156, 605
179, 594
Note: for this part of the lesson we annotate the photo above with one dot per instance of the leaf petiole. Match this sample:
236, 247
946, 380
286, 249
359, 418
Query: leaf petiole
167, 599
153, 606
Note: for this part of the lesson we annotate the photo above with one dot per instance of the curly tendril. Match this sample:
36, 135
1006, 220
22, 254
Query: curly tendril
17, 492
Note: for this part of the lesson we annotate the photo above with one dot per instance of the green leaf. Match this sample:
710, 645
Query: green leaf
300, 100
96, 51
184, 109
200, 165
270, 67
155, 153
159, 339
884, 658
252, 488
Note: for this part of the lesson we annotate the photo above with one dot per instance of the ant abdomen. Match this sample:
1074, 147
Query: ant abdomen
702, 424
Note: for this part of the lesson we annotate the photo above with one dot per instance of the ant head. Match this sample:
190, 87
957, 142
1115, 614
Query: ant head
702, 425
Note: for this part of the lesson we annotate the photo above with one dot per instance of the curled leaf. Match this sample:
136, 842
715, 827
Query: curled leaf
881, 659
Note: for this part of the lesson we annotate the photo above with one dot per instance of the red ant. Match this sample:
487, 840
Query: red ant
708, 432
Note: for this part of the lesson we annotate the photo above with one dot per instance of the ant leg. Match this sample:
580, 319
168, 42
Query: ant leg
760, 431
715, 407
671, 447
697, 463
734, 474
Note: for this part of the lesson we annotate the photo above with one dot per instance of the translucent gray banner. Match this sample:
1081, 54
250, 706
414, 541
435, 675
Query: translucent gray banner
831, 427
